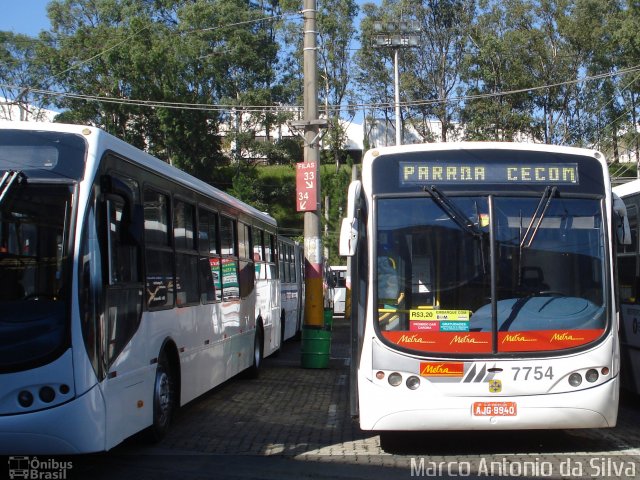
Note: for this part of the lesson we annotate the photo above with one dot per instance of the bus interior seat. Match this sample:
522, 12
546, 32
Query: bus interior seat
533, 279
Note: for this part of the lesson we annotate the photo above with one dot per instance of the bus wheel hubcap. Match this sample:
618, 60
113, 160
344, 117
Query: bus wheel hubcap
163, 396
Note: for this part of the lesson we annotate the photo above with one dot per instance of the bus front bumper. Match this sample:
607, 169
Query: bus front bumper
383, 409
74, 427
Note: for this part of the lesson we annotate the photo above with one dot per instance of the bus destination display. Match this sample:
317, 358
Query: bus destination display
427, 173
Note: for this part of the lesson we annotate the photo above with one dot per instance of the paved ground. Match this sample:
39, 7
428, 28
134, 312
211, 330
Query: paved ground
287, 410
293, 423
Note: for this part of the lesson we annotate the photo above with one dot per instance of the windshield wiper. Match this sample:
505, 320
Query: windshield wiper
7, 181
457, 215
538, 216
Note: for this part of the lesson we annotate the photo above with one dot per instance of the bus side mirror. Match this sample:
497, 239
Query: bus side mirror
350, 225
348, 237
623, 230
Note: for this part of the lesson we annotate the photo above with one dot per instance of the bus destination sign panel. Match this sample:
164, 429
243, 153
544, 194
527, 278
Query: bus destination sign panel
428, 173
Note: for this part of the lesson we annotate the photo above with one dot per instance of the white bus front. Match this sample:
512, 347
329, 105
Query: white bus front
43, 406
490, 301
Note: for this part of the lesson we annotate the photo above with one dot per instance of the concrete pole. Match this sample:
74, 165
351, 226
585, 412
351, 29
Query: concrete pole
396, 84
313, 253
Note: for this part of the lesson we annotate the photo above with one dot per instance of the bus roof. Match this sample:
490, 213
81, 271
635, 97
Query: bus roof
439, 146
108, 141
626, 189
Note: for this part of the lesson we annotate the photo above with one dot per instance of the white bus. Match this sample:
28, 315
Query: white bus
291, 265
339, 274
482, 288
127, 288
629, 290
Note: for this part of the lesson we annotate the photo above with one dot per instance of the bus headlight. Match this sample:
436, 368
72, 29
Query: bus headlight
47, 394
25, 398
413, 382
575, 379
395, 379
591, 375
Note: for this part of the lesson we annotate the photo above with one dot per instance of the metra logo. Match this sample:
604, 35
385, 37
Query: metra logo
415, 338
441, 369
466, 339
564, 337
517, 338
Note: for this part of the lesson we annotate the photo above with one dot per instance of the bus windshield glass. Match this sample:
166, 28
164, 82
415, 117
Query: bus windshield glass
33, 273
541, 258
42, 154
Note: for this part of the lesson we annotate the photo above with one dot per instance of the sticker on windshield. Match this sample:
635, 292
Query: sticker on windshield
424, 314
439, 320
454, 326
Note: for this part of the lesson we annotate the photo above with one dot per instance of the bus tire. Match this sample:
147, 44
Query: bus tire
258, 354
164, 399
391, 442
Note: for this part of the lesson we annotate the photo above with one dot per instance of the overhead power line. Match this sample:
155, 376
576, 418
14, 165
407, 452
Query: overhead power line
289, 108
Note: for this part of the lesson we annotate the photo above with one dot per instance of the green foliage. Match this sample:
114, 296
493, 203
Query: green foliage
335, 185
623, 171
273, 189
246, 187
21, 71
196, 53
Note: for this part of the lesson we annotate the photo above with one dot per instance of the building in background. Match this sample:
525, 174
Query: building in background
24, 112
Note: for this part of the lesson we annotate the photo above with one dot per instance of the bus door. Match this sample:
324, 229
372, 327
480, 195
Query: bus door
127, 392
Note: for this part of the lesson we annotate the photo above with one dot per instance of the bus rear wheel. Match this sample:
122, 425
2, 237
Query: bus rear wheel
164, 399
254, 369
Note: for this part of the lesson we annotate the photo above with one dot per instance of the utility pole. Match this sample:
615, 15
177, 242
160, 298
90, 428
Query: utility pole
313, 253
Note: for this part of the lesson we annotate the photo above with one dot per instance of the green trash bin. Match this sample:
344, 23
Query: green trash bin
328, 318
315, 347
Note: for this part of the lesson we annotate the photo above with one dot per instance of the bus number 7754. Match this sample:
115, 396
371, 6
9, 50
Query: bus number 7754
539, 373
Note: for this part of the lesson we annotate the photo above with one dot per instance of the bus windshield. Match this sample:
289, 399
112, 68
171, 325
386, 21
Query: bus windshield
33, 266
540, 258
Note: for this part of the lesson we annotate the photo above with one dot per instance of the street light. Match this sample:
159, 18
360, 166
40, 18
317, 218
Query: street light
397, 35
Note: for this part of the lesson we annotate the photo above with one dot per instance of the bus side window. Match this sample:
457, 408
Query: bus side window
207, 246
229, 260
123, 257
158, 251
184, 224
246, 272
628, 281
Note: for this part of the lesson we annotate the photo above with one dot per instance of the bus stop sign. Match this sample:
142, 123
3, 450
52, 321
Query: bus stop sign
306, 187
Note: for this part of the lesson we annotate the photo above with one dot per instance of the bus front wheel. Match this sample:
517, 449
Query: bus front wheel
164, 401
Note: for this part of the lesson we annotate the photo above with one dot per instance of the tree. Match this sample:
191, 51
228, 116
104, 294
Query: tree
435, 67
194, 55
497, 62
336, 33
20, 73
374, 73
625, 28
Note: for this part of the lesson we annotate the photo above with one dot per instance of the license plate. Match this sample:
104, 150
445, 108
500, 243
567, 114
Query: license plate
495, 409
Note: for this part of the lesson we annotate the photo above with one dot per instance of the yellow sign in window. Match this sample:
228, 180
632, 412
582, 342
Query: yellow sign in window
451, 315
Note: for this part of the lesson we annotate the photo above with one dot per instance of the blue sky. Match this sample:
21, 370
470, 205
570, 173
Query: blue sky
24, 16
30, 16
